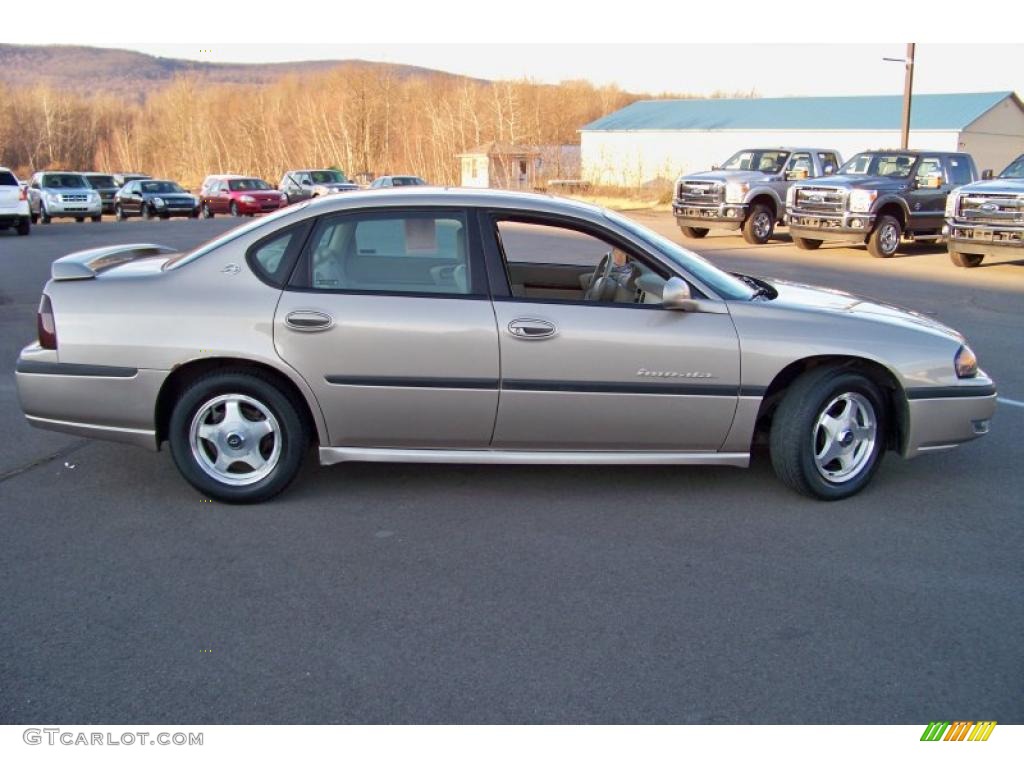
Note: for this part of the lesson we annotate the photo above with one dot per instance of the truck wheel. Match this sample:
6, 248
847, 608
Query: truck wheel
806, 245
236, 437
829, 433
885, 238
24, 227
966, 259
695, 232
759, 226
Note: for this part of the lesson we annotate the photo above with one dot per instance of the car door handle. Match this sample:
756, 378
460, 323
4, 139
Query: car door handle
531, 328
308, 320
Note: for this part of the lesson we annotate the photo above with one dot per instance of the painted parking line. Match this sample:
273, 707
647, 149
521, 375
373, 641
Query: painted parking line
1008, 401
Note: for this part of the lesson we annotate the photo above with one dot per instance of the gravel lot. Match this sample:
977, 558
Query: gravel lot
404, 593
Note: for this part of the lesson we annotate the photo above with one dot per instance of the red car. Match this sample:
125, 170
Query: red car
241, 197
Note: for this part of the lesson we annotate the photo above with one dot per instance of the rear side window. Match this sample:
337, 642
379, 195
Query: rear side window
272, 257
7, 179
390, 252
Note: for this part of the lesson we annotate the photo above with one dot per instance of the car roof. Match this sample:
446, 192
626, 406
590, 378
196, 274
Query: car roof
454, 197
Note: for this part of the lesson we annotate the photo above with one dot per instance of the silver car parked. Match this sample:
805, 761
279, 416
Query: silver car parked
54, 194
433, 325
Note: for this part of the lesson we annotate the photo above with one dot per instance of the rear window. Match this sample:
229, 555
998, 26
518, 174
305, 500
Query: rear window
7, 179
101, 182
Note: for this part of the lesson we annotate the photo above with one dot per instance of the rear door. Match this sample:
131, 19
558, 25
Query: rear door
387, 318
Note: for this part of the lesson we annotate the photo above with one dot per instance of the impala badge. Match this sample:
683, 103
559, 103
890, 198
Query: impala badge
675, 374
231, 269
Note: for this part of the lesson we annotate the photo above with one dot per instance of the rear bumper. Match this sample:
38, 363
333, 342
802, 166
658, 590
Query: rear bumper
721, 216
102, 402
12, 219
945, 417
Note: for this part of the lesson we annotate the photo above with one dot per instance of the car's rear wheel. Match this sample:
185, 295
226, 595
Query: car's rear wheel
759, 226
236, 437
966, 259
24, 227
694, 232
885, 238
829, 433
806, 244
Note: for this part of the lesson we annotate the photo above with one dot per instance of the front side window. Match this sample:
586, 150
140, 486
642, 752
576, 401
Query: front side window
929, 168
389, 252
896, 166
801, 165
764, 160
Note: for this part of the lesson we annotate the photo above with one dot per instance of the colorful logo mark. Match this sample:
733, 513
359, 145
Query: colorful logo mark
959, 730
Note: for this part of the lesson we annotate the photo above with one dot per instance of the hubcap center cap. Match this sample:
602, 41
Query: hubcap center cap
845, 438
235, 441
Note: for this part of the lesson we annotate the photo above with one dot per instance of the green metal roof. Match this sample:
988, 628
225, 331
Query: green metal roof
929, 112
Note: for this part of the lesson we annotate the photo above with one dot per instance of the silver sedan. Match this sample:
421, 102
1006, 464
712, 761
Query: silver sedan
458, 326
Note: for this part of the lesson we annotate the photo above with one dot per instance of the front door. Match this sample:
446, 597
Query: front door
928, 203
388, 320
590, 360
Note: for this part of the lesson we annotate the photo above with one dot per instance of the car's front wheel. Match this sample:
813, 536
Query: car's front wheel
806, 244
828, 434
966, 259
237, 437
694, 232
759, 225
885, 238
207, 213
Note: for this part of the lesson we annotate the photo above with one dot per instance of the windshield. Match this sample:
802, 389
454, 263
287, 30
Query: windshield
724, 284
101, 182
407, 181
243, 185
891, 165
328, 177
160, 187
64, 181
227, 237
764, 160
1014, 170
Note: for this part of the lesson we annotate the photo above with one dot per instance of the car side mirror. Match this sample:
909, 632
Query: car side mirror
988, 174
676, 295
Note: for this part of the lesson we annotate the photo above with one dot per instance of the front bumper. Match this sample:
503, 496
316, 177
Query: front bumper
944, 417
258, 207
829, 227
188, 212
66, 209
102, 402
718, 216
986, 239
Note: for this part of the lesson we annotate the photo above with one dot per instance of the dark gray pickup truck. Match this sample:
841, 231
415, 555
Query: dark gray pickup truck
878, 198
987, 218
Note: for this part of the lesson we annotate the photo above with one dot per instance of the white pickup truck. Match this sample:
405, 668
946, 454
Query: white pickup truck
13, 203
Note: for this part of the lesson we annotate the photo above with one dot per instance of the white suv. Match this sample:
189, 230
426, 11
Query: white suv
58, 193
13, 203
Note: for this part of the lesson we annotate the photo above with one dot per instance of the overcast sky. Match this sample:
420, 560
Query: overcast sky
770, 69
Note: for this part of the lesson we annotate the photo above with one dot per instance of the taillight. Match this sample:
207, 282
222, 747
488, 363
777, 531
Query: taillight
23, 194
45, 324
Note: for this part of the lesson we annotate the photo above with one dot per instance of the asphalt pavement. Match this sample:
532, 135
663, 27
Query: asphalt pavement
479, 594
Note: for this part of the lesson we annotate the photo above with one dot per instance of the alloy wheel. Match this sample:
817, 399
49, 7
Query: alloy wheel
844, 437
235, 439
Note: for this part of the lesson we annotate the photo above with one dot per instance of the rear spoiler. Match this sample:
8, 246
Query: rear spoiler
85, 265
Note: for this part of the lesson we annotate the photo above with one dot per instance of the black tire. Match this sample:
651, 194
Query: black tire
34, 217
44, 217
884, 240
146, 212
207, 213
759, 225
797, 437
24, 227
293, 434
806, 244
694, 232
234, 209
194, 214
96, 219
119, 214
79, 219
966, 259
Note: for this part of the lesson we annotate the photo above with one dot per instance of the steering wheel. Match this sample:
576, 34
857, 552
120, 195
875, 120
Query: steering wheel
601, 272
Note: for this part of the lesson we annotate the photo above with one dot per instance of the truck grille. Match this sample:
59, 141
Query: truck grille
820, 199
74, 198
700, 192
992, 209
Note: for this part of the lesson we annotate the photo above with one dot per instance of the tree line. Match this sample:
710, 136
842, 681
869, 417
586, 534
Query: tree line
362, 119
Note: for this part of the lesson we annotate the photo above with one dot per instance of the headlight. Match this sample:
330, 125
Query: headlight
965, 362
158, 202
861, 200
247, 199
735, 191
52, 197
951, 202
791, 196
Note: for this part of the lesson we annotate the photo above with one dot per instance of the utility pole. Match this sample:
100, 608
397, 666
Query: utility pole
908, 88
